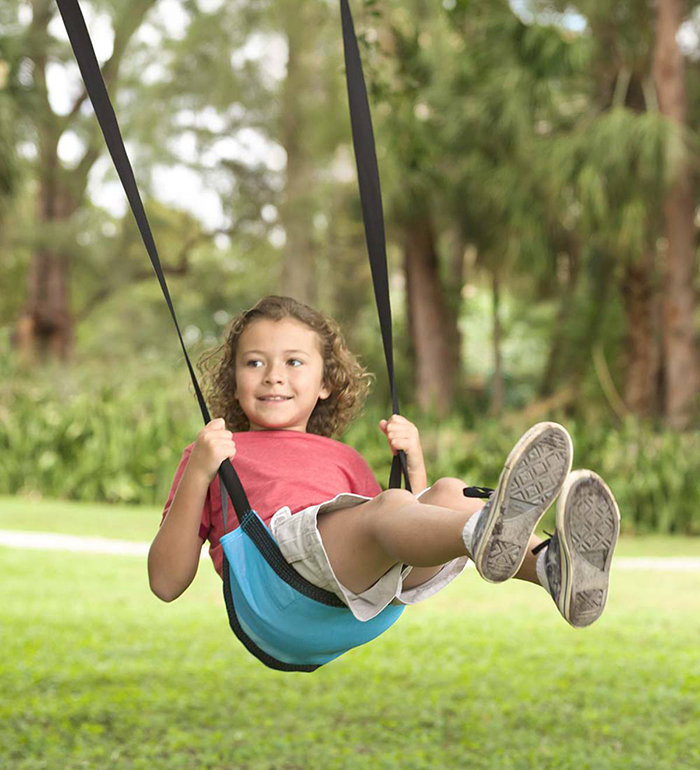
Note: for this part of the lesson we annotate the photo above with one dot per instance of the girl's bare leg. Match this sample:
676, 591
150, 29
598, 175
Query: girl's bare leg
365, 541
448, 493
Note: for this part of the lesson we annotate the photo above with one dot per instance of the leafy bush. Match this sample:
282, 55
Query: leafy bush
652, 473
81, 435
117, 436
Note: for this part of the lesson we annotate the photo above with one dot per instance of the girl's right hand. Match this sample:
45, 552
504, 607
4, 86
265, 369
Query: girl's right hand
214, 444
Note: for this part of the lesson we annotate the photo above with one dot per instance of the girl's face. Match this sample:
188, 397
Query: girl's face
279, 358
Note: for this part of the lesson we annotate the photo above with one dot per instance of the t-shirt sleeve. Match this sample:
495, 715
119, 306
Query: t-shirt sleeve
206, 511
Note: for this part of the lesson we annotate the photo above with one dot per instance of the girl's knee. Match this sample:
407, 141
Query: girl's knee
448, 492
448, 486
392, 499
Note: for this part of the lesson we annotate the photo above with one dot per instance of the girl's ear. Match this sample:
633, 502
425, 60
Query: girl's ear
325, 392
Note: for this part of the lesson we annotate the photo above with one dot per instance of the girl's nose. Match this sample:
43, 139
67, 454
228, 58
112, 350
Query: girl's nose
273, 374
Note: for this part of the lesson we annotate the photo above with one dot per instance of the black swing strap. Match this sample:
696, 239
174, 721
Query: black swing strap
368, 177
372, 209
94, 83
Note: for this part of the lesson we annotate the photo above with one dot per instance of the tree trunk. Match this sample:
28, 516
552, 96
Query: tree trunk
680, 347
577, 358
453, 302
45, 328
435, 368
564, 311
296, 212
642, 349
498, 391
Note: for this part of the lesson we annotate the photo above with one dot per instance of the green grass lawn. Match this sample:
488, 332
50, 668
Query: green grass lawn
141, 524
97, 672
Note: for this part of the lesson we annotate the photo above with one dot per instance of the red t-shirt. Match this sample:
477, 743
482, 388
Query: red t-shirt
280, 468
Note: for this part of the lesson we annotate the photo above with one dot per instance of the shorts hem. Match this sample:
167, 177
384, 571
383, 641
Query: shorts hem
300, 542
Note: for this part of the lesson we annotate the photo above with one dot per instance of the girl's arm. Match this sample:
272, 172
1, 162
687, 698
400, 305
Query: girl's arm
174, 554
416, 472
173, 557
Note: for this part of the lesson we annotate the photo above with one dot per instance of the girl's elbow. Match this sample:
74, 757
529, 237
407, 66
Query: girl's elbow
159, 586
168, 584
161, 591
163, 595
164, 587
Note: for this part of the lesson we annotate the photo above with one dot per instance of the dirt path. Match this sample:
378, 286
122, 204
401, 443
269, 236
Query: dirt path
50, 541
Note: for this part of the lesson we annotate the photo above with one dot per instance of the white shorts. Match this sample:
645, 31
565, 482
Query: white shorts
301, 545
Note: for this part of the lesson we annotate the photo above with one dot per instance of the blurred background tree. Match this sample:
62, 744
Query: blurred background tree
538, 163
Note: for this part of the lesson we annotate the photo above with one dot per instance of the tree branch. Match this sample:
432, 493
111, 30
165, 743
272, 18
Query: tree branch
124, 29
181, 268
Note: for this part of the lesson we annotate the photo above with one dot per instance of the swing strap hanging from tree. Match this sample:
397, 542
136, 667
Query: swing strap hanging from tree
305, 627
370, 193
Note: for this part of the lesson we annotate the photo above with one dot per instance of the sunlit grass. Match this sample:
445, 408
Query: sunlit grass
95, 672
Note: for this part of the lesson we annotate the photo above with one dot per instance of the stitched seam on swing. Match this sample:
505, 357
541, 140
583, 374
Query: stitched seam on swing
247, 642
270, 551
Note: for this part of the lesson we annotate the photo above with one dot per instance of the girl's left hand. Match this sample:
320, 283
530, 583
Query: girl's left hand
401, 434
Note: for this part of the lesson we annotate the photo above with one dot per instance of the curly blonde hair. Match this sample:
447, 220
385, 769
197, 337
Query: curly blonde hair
348, 381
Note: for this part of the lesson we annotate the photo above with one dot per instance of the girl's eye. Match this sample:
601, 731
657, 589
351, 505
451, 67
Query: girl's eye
257, 361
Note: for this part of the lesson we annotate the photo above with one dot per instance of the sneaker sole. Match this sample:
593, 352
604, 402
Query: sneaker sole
532, 477
588, 524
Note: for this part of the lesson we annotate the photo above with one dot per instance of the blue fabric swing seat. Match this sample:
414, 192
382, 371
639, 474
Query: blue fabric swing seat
283, 620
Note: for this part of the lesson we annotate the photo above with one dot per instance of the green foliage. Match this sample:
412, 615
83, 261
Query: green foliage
116, 435
10, 125
653, 473
84, 436
523, 139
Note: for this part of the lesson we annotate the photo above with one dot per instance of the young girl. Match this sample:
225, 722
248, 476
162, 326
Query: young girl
285, 386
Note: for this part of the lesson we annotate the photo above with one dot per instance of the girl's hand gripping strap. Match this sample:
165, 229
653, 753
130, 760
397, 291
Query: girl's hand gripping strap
90, 70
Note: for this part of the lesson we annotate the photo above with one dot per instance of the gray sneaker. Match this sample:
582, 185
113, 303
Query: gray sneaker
532, 477
579, 554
